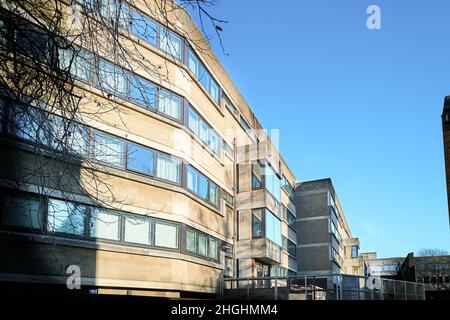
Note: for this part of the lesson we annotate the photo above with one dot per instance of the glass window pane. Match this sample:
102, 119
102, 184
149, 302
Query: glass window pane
193, 121
191, 241
166, 235
112, 78
192, 179
204, 78
22, 211
105, 224
193, 63
66, 217
204, 132
203, 187
257, 175
169, 104
213, 197
273, 228
214, 142
140, 159
143, 27
143, 92
24, 122
167, 168
257, 223
109, 149
137, 230
212, 248
202, 245
214, 90
170, 43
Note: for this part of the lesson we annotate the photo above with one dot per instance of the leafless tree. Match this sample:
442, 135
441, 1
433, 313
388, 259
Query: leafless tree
434, 267
63, 65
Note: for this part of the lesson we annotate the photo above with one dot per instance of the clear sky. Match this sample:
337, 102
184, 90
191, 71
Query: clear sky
360, 106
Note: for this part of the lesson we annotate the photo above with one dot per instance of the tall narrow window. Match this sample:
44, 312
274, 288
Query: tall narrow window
213, 196
203, 187
140, 159
191, 241
170, 43
193, 63
202, 245
214, 142
214, 90
204, 132
167, 168
257, 222
257, 175
66, 217
169, 104
192, 177
143, 27
143, 92
273, 228
212, 248
193, 121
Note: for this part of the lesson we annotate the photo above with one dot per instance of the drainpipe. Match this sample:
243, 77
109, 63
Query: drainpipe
235, 222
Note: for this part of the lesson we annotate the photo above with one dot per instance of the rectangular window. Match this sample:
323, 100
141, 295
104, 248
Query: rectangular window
192, 177
193, 121
214, 90
257, 223
137, 230
167, 168
191, 241
76, 61
213, 197
193, 63
166, 234
257, 175
143, 92
202, 245
23, 211
291, 248
169, 104
66, 217
273, 228
170, 43
204, 132
214, 142
202, 187
109, 149
140, 159
66, 135
112, 78
354, 251
143, 27
27, 123
204, 77
272, 182
227, 149
105, 224
212, 248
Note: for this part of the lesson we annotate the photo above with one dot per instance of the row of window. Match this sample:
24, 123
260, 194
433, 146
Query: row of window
290, 247
288, 216
263, 176
33, 125
153, 33
434, 279
266, 225
88, 222
335, 231
288, 188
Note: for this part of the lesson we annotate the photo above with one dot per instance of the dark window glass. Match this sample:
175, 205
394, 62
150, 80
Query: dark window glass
140, 159
257, 221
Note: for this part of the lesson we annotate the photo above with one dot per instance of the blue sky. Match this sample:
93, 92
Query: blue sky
360, 106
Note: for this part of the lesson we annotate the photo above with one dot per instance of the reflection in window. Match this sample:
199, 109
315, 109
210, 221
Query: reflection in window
166, 234
66, 217
22, 211
167, 168
105, 224
137, 230
109, 149
140, 159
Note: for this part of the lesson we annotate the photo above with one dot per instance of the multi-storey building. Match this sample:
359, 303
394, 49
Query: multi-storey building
382, 267
325, 245
192, 200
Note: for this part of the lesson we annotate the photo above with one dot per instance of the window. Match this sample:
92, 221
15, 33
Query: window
212, 193
272, 182
66, 135
257, 175
192, 177
112, 78
105, 224
193, 63
167, 168
354, 251
143, 27
214, 90
170, 43
140, 159
76, 61
227, 149
27, 124
257, 223
169, 104
204, 132
191, 241
290, 219
291, 248
22, 211
202, 245
193, 122
137, 230
244, 124
166, 234
204, 78
214, 142
212, 248
109, 149
227, 197
288, 188
143, 92
66, 217
273, 228
202, 187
